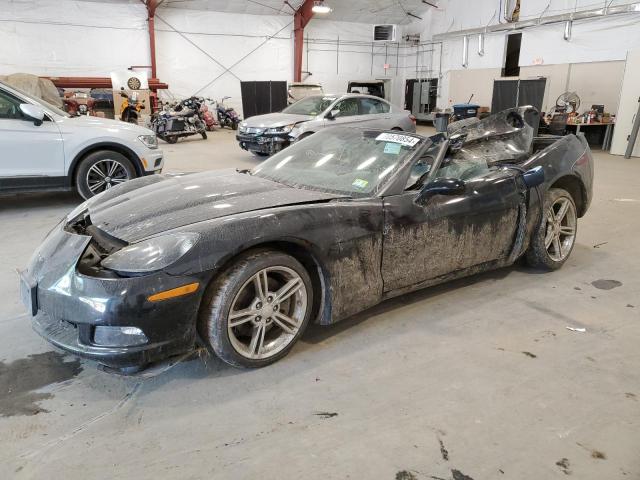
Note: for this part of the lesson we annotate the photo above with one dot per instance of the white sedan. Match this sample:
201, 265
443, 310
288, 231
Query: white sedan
43, 148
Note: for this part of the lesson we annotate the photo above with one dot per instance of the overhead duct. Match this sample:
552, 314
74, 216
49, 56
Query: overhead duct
565, 17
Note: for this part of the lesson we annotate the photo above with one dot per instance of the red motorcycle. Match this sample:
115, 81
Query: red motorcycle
206, 115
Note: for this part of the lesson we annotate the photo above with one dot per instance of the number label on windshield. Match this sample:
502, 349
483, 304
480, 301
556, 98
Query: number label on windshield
405, 140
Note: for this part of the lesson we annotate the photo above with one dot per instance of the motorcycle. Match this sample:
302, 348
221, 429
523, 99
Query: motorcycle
183, 120
129, 111
227, 117
206, 115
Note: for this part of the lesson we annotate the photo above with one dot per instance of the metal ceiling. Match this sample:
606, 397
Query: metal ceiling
361, 11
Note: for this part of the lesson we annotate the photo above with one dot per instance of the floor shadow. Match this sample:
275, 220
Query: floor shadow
317, 333
21, 201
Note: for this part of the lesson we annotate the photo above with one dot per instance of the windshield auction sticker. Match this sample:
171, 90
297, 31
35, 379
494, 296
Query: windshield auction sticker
405, 140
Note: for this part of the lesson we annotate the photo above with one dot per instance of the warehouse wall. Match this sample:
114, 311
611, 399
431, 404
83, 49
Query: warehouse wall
194, 48
194, 60
337, 52
602, 42
67, 38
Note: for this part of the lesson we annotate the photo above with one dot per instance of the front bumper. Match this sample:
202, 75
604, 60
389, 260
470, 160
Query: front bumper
261, 143
152, 161
70, 305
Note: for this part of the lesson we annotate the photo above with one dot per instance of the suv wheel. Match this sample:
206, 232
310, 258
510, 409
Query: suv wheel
101, 170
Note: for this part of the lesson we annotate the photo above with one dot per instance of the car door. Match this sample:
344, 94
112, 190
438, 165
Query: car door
375, 113
450, 232
27, 150
349, 113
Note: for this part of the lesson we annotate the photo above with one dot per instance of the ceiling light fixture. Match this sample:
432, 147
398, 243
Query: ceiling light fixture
320, 7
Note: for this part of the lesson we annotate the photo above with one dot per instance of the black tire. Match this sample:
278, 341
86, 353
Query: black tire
220, 294
537, 255
204, 135
82, 171
260, 154
234, 125
171, 139
396, 129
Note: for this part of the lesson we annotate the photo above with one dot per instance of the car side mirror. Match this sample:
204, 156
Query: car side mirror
33, 112
534, 177
440, 186
333, 114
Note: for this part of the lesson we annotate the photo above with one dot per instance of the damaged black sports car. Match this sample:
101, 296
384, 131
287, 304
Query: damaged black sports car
242, 261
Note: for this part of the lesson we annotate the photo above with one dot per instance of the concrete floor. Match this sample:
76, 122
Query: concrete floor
477, 379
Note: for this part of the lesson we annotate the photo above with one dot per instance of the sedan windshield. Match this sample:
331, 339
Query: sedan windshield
312, 105
349, 161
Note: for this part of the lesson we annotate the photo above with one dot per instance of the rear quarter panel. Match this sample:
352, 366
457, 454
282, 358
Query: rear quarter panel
569, 155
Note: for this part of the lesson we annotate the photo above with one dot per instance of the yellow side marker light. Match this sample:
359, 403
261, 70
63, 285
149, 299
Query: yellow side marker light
174, 292
144, 162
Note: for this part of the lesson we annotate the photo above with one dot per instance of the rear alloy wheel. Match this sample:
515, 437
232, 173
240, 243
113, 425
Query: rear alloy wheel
253, 314
553, 241
102, 170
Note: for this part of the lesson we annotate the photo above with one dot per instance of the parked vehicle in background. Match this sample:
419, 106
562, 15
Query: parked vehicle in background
227, 117
368, 87
182, 120
207, 116
268, 134
298, 91
130, 108
42, 148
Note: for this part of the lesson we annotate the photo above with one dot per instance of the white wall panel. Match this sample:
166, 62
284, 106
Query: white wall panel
68, 38
591, 41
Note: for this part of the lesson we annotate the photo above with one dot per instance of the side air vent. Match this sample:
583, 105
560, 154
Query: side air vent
384, 33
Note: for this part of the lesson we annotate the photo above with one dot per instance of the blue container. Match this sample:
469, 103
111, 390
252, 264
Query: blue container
465, 110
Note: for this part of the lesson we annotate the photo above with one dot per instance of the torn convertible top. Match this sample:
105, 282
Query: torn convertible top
506, 136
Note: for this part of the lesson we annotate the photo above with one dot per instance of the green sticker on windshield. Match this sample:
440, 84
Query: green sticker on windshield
393, 148
360, 183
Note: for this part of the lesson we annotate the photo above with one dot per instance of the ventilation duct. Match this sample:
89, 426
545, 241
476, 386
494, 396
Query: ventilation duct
565, 17
384, 33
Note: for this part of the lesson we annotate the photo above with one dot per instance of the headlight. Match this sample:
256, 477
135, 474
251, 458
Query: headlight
285, 129
151, 141
151, 255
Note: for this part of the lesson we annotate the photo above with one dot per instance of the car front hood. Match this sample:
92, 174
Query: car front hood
151, 205
87, 121
275, 120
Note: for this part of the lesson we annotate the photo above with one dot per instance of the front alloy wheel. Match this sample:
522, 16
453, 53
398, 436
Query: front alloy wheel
102, 170
267, 312
105, 174
253, 313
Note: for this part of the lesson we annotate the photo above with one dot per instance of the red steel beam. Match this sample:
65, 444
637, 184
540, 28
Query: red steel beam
300, 20
97, 82
151, 9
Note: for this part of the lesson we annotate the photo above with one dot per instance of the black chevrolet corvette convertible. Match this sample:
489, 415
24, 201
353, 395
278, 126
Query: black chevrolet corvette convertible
242, 261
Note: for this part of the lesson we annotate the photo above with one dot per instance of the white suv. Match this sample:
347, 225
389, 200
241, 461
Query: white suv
43, 148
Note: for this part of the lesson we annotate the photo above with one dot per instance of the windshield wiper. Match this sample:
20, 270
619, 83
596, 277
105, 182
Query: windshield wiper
244, 170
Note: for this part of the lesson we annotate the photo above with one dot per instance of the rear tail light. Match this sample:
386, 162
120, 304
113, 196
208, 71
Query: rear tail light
413, 119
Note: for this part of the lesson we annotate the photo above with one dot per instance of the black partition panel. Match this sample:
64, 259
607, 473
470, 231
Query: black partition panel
505, 95
531, 92
263, 97
516, 93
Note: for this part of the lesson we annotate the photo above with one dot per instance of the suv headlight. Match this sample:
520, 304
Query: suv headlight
285, 129
151, 255
150, 141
